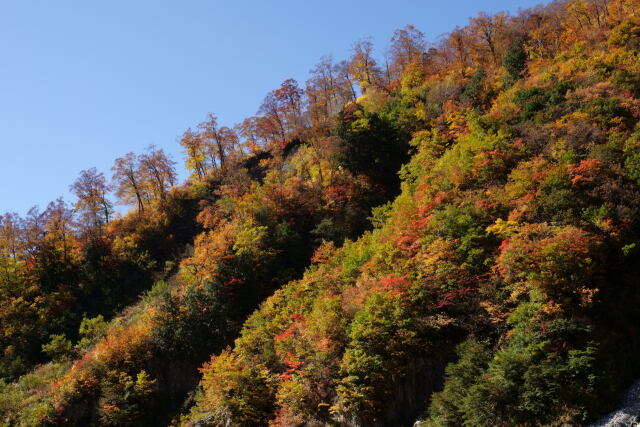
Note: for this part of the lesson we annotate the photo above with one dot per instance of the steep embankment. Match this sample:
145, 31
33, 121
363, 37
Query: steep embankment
498, 288
514, 242
260, 229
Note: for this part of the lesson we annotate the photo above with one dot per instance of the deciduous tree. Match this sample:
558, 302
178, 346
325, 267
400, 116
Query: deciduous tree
93, 204
129, 182
158, 172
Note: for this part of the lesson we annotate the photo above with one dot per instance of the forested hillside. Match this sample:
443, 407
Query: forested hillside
449, 235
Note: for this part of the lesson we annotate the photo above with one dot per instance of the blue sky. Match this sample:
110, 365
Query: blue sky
84, 82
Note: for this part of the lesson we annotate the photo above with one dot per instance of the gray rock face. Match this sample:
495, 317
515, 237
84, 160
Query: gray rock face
629, 412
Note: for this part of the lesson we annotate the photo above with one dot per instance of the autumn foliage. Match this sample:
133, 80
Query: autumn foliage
447, 236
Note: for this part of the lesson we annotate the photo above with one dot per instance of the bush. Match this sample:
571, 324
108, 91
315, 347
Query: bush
515, 59
58, 348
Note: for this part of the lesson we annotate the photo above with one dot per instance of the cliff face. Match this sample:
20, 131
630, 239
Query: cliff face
411, 395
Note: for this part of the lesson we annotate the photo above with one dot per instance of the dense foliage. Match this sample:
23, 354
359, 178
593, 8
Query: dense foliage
451, 238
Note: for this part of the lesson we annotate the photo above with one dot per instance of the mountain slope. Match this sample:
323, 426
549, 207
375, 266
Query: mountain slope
514, 241
492, 281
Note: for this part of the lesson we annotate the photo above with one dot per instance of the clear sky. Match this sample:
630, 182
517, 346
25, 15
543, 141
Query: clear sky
83, 82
